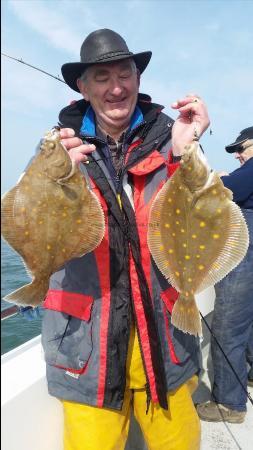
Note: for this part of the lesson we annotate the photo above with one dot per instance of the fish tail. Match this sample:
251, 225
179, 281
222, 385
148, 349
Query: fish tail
31, 294
185, 315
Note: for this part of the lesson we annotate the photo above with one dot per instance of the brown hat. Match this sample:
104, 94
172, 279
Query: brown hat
102, 46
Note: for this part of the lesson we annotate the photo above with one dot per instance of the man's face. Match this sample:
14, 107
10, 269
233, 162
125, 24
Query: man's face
244, 155
112, 91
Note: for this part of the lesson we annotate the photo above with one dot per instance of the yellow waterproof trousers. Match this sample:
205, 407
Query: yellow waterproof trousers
92, 428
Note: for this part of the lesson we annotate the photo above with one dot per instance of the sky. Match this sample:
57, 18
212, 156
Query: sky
200, 46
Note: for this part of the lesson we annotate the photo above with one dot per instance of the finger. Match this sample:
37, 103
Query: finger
80, 153
66, 133
193, 95
72, 142
78, 157
184, 101
192, 108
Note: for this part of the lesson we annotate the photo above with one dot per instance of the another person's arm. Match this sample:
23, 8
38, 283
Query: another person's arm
240, 182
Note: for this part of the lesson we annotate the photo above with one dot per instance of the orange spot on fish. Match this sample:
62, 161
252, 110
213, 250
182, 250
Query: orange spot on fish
216, 236
202, 224
201, 267
187, 257
202, 247
194, 236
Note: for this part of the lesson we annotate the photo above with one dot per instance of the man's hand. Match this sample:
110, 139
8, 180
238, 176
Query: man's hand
223, 174
77, 150
192, 121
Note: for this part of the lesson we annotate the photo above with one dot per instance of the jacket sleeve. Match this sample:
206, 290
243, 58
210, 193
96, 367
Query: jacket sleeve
240, 182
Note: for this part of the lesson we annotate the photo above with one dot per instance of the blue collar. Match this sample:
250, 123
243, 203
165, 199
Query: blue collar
88, 126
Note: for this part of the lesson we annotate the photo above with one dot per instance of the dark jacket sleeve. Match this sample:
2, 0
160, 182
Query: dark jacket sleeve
240, 182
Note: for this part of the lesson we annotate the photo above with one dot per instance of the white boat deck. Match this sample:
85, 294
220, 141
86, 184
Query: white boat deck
32, 420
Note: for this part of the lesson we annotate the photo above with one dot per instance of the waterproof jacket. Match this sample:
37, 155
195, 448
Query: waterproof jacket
93, 301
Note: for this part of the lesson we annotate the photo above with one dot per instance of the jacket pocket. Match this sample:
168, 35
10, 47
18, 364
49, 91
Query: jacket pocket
182, 346
67, 330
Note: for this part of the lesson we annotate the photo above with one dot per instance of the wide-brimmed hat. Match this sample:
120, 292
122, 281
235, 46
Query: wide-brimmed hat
244, 135
102, 46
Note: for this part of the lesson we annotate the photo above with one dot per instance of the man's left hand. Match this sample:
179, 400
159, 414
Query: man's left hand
192, 121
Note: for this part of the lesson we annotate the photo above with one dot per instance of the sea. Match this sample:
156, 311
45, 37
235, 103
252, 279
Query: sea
15, 330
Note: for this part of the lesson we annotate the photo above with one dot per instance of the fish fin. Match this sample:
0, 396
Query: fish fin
95, 230
154, 236
185, 315
31, 294
234, 250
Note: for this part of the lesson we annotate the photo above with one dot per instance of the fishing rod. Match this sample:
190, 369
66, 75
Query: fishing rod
33, 67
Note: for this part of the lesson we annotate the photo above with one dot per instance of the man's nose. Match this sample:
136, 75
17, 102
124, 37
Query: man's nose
115, 88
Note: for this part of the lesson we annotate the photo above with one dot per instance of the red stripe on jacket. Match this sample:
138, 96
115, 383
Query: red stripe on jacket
102, 256
143, 330
169, 298
76, 305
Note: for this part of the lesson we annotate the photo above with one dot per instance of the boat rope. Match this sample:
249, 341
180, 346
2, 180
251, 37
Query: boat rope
33, 67
227, 359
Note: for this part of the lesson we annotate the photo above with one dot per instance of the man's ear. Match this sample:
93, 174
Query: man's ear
83, 89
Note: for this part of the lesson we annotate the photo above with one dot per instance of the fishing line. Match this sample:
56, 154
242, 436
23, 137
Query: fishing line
227, 359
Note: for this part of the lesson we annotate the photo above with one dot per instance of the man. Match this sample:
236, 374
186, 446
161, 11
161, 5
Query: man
116, 346
232, 323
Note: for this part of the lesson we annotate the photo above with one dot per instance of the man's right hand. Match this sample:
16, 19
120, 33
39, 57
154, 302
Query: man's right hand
77, 150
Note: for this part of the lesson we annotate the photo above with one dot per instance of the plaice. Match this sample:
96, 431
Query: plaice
196, 234
50, 217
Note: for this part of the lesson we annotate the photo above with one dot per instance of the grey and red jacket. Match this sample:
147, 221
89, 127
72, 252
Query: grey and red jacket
93, 301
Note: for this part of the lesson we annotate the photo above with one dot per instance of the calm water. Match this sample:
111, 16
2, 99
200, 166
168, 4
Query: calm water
15, 330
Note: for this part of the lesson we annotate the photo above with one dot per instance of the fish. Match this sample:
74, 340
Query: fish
49, 217
196, 234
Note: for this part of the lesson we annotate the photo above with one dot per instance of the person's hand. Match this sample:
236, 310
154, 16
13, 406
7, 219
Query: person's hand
30, 313
77, 150
223, 174
192, 121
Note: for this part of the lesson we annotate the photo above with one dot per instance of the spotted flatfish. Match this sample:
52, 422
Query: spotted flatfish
50, 217
196, 234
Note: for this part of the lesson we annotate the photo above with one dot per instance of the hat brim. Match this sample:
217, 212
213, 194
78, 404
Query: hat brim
72, 71
232, 148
